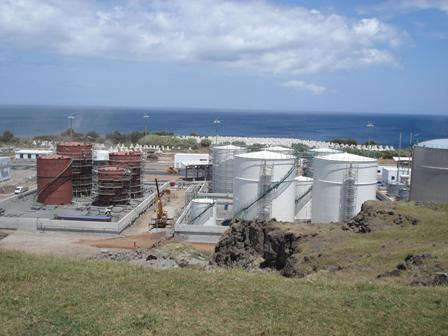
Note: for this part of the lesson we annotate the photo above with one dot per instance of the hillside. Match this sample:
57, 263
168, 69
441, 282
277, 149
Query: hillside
51, 296
342, 288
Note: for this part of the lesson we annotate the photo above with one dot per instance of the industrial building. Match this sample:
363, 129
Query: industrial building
264, 186
342, 183
223, 165
182, 159
393, 174
31, 154
429, 177
5, 168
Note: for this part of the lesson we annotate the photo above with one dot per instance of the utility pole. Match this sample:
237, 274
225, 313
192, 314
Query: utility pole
71, 117
217, 122
146, 118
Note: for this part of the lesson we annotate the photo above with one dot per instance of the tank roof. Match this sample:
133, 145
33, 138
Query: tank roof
346, 157
324, 150
435, 143
53, 157
265, 155
278, 148
227, 147
74, 143
304, 179
203, 200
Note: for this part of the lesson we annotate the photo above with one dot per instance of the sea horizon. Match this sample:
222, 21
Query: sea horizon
33, 120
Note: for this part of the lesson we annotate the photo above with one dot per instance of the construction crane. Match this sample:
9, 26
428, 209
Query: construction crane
161, 219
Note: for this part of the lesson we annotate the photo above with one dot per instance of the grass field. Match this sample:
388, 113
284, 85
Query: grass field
53, 296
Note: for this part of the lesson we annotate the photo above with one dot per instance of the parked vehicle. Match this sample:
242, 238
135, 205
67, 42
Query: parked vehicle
20, 190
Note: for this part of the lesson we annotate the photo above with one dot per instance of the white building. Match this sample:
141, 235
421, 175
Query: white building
180, 158
31, 154
391, 174
5, 168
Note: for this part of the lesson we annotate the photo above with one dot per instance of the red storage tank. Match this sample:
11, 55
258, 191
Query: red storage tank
81, 154
54, 180
132, 161
113, 185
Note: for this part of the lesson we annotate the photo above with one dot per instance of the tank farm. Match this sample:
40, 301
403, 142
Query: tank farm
81, 156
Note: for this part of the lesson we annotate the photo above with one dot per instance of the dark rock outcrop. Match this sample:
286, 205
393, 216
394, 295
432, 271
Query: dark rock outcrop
263, 244
373, 216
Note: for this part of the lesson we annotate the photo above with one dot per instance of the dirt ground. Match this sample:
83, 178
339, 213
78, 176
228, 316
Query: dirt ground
145, 240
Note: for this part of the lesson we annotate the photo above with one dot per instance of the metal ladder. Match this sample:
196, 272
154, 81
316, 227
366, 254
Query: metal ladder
265, 204
349, 192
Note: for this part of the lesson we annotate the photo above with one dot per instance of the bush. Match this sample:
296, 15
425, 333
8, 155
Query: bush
348, 141
205, 143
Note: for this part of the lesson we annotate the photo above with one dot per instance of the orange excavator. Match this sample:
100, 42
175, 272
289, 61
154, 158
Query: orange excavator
161, 219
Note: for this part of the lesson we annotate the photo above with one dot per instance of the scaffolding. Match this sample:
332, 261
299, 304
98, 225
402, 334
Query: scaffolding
265, 204
111, 186
349, 192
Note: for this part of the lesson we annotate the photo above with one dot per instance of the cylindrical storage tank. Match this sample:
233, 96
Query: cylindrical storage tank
81, 155
342, 183
429, 175
303, 202
264, 186
222, 174
54, 180
203, 212
113, 186
132, 161
280, 150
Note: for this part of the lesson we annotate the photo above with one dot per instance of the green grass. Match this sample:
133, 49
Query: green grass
55, 296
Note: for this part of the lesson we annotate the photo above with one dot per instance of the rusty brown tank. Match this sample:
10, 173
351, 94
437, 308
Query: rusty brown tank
133, 162
113, 186
54, 180
81, 154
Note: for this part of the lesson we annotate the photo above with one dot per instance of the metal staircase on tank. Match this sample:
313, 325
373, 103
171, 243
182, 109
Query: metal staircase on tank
349, 192
265, 204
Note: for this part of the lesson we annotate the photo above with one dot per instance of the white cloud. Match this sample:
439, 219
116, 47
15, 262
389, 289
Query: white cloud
252, 35
303, 86
412, 5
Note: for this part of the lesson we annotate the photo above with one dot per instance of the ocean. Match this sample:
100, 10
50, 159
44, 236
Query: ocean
30, 121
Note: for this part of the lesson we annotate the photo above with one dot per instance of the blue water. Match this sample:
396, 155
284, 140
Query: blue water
29, 121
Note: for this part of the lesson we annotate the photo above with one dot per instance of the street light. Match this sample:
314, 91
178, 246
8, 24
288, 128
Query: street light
217, 122
71, 117
146, 117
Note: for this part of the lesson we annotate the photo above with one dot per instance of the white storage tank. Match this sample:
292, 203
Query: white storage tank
303, 202
203, 212
342, 183
280, 149
264, 186
222, 174
429, 176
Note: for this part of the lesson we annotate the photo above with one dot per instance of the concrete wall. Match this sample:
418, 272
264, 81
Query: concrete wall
199, 233
43, 224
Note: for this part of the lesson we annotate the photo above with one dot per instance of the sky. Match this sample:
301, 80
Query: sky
344, 56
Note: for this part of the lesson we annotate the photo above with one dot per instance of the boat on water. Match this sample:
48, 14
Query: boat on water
370, 124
